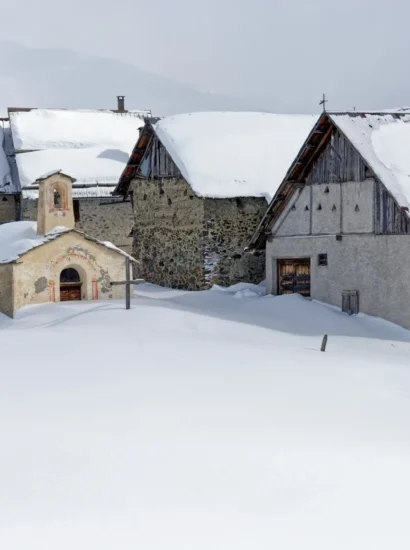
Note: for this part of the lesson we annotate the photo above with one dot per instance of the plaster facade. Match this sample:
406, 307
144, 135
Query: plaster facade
35, 277
375, 265
358, 259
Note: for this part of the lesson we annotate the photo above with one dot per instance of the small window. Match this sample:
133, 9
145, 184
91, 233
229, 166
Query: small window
322, 259
76, 207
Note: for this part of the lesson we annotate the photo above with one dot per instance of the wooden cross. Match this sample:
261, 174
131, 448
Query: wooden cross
127, 283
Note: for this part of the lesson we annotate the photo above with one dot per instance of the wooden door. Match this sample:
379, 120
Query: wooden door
294, 276
70, 291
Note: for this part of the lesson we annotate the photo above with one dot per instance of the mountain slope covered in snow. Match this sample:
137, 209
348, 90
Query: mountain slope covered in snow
64, 79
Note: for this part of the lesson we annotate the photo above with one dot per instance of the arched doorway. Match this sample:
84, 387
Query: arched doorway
70, 285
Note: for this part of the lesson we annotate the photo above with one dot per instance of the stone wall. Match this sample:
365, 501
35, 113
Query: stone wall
228, 227
184, 241
8, 208
99, 218
168, 233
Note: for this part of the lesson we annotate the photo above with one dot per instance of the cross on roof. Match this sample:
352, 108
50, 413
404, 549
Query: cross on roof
323, 102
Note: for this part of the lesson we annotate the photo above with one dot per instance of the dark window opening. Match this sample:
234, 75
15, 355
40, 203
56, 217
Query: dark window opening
57, 199
322, 259
76, 207
69, 275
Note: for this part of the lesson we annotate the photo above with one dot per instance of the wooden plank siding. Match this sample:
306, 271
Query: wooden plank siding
339, 162
390, 219
157, 163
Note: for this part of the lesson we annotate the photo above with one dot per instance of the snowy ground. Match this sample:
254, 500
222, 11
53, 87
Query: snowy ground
201, 421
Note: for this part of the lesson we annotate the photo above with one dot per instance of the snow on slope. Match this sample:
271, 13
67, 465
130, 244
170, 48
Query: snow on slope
162, 427
230, 154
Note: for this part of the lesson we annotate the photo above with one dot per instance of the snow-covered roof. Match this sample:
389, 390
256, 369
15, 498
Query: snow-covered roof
228, 154
5, 170
17, 238
91, 146
383, 140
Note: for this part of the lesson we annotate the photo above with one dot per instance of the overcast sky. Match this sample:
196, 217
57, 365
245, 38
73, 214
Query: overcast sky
286, 52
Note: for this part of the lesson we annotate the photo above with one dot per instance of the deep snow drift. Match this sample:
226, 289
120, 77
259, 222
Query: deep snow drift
175, 426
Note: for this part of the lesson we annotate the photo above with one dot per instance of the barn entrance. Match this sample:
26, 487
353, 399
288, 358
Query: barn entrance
70, 285
294, 276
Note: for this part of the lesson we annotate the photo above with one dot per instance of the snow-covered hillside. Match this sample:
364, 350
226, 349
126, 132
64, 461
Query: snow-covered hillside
203, 420
49, 78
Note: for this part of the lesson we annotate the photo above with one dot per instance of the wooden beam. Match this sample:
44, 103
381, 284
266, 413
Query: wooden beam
316, 152
136, 282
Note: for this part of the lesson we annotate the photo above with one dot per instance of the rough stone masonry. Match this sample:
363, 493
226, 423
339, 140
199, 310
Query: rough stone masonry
189, 242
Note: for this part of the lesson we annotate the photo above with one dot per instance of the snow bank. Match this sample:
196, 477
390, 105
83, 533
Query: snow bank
91, 146
163, 428
230, 154
384, 143
17, 238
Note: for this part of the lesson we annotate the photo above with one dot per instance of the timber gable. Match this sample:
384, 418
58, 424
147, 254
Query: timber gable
328, 157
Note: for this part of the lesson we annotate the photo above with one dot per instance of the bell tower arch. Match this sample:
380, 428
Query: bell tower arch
55, 202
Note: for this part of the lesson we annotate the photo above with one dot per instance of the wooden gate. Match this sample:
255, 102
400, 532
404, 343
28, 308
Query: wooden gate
70, 285
70, 291
294, 276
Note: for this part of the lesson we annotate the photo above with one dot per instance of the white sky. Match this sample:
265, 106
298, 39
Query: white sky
287, 51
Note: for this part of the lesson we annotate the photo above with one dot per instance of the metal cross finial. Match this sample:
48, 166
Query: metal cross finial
323, 102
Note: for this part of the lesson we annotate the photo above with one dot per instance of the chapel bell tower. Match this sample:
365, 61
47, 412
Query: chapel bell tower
55, 202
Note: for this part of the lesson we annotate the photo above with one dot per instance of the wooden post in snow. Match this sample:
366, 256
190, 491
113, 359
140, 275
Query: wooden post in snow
128, 282
324, 343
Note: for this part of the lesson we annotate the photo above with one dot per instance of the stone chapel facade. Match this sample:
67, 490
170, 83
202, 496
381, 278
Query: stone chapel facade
51, 261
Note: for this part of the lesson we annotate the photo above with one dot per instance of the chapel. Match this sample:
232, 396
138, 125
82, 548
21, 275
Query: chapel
50, 261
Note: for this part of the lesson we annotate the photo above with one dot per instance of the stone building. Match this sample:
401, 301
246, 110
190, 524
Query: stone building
338, 228
92, 146
198, 184
50, 261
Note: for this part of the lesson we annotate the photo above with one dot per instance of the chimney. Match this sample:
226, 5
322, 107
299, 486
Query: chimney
121, 103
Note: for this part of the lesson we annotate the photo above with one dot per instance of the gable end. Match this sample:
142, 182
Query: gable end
157, 162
